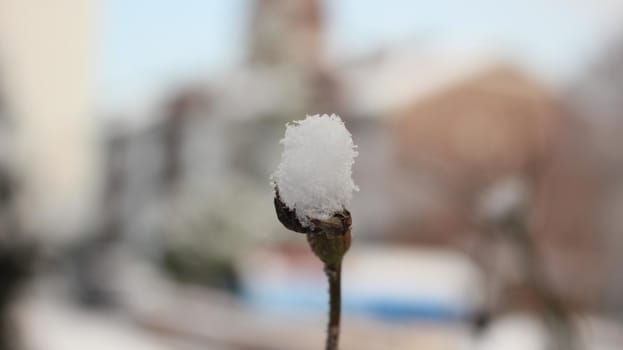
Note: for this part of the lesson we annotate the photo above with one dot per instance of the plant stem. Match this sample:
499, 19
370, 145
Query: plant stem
334, 276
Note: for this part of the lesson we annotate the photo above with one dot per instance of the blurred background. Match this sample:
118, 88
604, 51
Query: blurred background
137, 139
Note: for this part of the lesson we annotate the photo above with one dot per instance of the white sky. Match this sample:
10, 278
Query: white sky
147, 46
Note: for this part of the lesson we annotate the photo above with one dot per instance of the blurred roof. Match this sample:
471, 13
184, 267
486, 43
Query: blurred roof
402, 75
498, 118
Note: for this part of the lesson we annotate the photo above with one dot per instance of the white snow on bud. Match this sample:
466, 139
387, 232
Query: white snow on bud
315, 173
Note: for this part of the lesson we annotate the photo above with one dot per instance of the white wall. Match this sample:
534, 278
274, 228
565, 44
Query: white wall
46, 65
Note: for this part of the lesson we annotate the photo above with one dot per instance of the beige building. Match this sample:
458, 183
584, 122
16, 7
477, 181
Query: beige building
497, 125
46, 67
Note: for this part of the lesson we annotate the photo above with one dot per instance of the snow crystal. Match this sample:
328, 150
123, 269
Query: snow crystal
314, 176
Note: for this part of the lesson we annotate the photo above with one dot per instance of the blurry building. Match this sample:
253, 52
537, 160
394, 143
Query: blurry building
287, 38
596, 99
492, 126
287, 32
452, 144
47, 81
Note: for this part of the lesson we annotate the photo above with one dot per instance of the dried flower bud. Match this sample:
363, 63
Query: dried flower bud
329, 238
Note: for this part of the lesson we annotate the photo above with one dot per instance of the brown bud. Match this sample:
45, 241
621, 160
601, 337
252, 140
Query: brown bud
331, 238
328, 238
288, 216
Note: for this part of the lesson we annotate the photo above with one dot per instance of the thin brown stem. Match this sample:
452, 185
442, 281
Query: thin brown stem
334, 273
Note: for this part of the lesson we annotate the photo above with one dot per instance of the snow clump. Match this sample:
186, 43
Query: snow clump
314, 177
